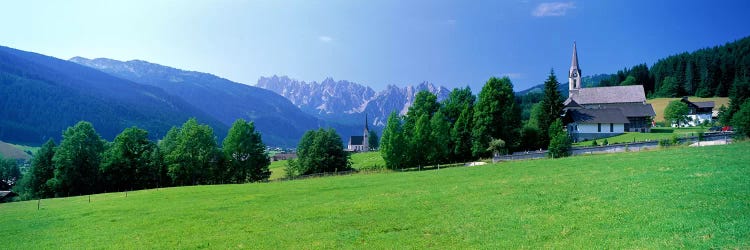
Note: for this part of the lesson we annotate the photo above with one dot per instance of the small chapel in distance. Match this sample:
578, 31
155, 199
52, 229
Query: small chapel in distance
359, 143
592, 113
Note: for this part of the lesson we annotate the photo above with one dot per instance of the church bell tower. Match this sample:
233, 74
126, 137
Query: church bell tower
574, 76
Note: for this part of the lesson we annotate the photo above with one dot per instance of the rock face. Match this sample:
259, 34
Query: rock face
347, 102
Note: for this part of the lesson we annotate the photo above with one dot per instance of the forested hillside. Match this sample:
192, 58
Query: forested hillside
281, 123
40, 96
704, 73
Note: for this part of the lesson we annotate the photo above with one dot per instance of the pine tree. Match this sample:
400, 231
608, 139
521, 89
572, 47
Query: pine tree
421, 143
551, 107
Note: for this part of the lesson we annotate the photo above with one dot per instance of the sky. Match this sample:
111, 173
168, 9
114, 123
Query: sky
377, 42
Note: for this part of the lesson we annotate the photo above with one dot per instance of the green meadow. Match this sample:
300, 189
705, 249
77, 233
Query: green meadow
680, 197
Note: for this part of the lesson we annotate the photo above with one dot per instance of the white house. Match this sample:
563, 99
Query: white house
700, 112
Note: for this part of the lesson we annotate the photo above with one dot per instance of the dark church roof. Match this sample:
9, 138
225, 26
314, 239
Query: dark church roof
356, 140
615, 94
632, 109
604, 115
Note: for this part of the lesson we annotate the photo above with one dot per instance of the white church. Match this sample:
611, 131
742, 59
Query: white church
592, 113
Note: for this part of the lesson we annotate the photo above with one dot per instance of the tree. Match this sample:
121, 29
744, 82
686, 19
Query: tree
530, 138
77, 161
373, 141
191, 154
9, 171
497, 147
560, 143
676, 112
461, 135
126, 162
392, 144
454, 105
737, 96
319, 152
670, 87
551, 106
495, 116
421, 144
42, 170
245, 155
440, 137
741, 119
425, 103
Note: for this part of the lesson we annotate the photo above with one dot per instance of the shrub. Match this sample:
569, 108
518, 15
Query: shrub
594, 144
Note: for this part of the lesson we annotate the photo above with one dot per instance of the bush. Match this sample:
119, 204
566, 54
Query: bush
594, 144
605, 142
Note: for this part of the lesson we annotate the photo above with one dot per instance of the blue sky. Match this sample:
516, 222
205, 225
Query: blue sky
375, 43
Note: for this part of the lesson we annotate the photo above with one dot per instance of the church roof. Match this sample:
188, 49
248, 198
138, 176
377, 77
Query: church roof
615, 94
570, 103
356, 140
632, 109
605, 115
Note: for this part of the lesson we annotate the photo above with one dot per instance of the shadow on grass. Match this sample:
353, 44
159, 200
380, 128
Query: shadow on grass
662, 130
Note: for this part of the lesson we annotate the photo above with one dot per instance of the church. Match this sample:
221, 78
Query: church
592, 113
359, 143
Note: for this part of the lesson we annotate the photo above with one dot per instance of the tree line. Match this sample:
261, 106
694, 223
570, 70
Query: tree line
704, 73
84, 163
464, 127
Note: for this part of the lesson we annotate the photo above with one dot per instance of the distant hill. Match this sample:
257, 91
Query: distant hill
347, 102
280, 122
40, 96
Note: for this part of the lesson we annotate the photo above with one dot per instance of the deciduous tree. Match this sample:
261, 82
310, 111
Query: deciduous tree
244, 153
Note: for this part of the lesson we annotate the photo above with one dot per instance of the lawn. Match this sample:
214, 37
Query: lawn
674, 198
655, 135
660, 104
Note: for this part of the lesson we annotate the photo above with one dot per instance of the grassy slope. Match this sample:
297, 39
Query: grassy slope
660, 104
674, 198
11, 151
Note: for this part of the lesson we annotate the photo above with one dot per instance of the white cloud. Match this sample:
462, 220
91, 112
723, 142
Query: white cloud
513, 75
553, 9
325, 39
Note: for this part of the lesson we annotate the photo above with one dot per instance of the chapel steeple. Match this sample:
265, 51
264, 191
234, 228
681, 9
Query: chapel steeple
574, 75
365, 138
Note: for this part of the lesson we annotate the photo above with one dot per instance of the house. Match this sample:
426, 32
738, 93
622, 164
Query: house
283, 156
591, 113
359, 143
700, 112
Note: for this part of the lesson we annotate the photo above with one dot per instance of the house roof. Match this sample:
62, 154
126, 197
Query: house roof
356, 140
632, 109
700, 105
615, 94
604, 115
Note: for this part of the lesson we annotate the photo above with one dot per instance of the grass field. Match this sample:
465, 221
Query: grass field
673, 198
660, 104
655, 135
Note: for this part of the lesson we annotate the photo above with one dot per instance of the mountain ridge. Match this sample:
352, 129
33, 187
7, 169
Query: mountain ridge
346, 101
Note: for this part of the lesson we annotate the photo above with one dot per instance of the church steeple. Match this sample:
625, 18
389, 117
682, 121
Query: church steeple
574, 75
365, 138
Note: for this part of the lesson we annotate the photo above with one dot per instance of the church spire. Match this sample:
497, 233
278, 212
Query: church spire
574, 76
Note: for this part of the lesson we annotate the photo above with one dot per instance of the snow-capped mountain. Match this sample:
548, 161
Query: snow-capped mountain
346, 101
